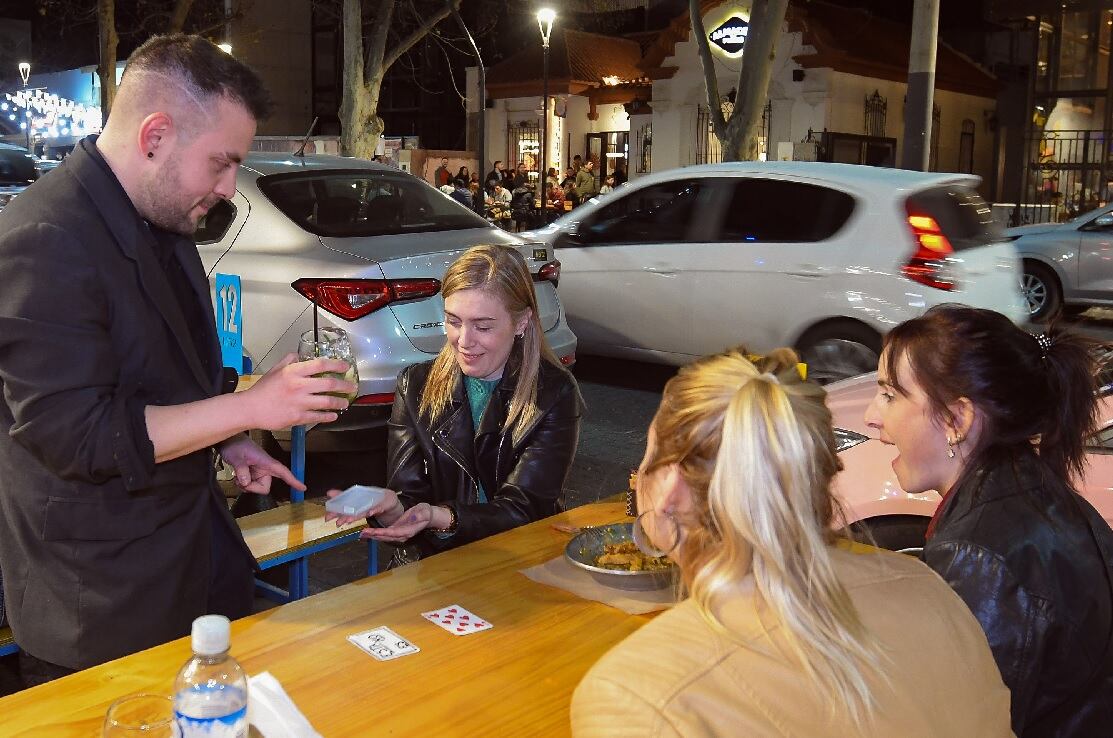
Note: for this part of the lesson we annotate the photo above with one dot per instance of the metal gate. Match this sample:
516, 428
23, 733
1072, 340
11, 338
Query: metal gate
1064, 176
708, 148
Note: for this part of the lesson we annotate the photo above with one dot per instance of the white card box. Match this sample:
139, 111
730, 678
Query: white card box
355, 500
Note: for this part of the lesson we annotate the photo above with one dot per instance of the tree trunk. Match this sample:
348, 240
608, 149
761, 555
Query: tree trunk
179, 15
106, 70
360, 124
739, 134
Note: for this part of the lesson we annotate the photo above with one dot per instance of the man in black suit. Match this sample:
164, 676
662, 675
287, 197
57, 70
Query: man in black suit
113, 533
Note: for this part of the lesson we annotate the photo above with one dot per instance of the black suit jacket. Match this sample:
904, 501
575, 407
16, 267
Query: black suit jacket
103, 552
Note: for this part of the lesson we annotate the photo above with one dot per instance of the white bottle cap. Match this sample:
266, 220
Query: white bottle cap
211, 635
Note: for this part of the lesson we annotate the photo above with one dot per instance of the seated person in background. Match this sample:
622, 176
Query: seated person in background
460, 192
608, 185
504, 413
555, 197
962, 393
787, 630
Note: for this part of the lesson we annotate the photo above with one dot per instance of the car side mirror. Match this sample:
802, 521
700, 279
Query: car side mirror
1103, 221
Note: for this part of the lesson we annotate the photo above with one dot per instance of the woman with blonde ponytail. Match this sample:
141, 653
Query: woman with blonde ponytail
482, 437
787, 629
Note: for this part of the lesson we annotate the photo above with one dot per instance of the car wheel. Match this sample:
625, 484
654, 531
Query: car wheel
903, 534
838, 351
1041, 291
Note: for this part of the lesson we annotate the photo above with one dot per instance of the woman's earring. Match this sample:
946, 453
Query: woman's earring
950, 448
641, 538
520, 335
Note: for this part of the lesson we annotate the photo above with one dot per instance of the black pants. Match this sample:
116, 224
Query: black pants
231, 593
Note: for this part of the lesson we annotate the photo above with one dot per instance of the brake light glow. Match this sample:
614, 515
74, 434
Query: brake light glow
550, 272
352, 299
568, 359
384, 398
928, 264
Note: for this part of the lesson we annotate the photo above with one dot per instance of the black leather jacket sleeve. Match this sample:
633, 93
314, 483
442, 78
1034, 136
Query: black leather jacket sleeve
406, 465
1015, 622
532, 489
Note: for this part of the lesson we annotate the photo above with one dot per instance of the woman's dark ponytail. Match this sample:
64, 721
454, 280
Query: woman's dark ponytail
1070, 363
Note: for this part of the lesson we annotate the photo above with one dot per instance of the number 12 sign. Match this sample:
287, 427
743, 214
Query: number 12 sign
229, 320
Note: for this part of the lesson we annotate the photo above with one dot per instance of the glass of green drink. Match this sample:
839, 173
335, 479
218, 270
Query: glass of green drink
331, 343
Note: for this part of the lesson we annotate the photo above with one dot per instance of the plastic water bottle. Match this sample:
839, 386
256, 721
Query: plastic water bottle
210, 692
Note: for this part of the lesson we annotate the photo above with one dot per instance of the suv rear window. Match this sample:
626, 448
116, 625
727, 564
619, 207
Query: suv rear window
963, 216
365, 203
771, 210
17, 167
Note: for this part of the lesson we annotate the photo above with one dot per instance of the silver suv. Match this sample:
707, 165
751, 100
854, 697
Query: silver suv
371, 243
17, 171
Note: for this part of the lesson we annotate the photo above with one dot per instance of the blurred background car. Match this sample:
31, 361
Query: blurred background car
1067, 266
17, 171
823, 257
873, 499
370, 244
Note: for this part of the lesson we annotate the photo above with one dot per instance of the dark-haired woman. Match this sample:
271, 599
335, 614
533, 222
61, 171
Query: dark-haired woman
995, 419
482, 437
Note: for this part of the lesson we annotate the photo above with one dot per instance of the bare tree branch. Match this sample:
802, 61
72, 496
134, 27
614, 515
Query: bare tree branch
714, 103
106, 69
419, 33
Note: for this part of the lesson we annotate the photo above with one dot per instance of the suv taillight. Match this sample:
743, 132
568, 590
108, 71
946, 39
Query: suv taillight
928, 265
352, 299
550, 272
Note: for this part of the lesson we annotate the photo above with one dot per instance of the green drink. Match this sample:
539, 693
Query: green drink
349, 376
331, 343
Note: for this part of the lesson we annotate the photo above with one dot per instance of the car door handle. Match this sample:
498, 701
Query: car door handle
662, 272
807, 270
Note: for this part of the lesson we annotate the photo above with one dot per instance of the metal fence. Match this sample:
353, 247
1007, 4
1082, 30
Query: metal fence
1067, 174
709, 150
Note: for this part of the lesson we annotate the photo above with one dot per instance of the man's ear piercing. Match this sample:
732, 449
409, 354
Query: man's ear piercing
150, 155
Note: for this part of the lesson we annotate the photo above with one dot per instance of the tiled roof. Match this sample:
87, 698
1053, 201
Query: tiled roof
574, 57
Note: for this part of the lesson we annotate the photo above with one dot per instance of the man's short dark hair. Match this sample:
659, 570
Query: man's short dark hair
204, 67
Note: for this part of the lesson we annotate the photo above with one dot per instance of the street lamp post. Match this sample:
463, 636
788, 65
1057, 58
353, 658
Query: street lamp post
25, 74
545, 18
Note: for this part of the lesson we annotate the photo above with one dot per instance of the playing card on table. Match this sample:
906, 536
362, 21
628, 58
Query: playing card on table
383, 643
456, 620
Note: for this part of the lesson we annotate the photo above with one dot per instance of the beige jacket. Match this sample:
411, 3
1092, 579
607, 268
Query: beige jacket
678, 677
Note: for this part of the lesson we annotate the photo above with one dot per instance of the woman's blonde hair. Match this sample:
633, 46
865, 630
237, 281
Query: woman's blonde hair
501, 272
756, 446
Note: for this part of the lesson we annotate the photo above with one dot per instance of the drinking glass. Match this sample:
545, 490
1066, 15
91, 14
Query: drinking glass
146, 715
331, 343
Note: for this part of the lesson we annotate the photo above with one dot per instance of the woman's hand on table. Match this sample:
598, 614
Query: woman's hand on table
388, 510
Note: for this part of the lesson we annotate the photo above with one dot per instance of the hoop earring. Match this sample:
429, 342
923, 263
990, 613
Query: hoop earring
641, 538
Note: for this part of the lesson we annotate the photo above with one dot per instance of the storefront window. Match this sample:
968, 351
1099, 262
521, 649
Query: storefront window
524, 139
1078, 55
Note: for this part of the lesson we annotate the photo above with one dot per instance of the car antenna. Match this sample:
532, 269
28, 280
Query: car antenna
304, 141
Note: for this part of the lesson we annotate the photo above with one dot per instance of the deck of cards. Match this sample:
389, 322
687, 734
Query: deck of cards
383, 643
456, 620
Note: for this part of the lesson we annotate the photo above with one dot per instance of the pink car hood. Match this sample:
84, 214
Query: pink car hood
868, 486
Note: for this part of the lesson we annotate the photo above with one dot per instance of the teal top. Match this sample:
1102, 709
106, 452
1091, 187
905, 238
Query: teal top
479, 397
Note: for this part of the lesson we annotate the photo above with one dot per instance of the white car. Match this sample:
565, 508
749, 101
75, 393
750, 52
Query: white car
823, 257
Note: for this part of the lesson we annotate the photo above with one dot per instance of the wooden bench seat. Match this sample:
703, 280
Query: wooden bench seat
7, 642
293, 531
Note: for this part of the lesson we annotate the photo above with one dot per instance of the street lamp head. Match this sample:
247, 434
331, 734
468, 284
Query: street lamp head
25, 71
545, 18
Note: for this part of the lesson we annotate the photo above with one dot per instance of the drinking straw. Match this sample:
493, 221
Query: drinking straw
316, 336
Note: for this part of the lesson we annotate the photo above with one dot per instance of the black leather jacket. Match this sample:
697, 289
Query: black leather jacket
1034, 562
441, 463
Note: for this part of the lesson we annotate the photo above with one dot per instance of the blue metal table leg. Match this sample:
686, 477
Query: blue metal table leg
372, 558
299, 569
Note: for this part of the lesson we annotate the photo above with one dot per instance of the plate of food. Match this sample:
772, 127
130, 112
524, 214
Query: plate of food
609, 554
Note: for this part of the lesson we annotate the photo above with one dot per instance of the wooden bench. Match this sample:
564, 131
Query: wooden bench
7, 642
289, 534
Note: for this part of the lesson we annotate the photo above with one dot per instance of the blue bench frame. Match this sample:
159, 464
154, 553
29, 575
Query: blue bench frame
299, 560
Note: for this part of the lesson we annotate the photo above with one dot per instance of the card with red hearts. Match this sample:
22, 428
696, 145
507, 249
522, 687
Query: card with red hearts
457, 620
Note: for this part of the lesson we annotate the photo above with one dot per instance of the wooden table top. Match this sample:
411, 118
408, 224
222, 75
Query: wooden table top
289, 528
513, 680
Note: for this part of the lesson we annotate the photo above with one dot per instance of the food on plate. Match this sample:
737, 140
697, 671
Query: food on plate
626, 557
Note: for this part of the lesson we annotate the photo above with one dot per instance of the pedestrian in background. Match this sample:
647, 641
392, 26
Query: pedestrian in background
442, 176
481, 438
585, 182
608, 184
114, 534
997, 420
464, 173
787, 630
494, 176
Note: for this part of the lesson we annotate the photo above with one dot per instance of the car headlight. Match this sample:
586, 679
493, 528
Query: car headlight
845, 439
